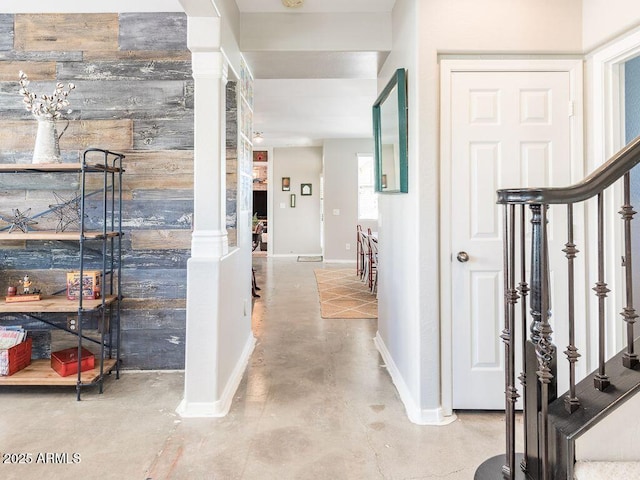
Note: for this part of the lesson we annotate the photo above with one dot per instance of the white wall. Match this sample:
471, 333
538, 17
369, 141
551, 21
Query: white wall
409, 285
296, 231
496, 26
341, 193
399, 318
603, 20
234, 335
491, 26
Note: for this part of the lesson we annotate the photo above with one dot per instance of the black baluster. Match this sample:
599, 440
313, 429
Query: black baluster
523, 289
601, 380
630, 358
511, 298
571, 402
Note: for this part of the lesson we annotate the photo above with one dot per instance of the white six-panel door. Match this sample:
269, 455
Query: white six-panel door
507, 129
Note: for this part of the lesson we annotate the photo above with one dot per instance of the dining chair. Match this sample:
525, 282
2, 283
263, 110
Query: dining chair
373, 267
366, 256
359, 251
257, 236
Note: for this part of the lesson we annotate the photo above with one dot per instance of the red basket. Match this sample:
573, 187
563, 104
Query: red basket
19, 356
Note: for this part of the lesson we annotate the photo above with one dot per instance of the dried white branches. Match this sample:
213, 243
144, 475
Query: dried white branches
47, 106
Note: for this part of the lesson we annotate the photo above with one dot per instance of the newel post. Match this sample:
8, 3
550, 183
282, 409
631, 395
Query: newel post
541, 361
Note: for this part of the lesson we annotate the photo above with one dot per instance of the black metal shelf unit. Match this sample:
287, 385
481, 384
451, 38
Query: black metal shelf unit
103, 170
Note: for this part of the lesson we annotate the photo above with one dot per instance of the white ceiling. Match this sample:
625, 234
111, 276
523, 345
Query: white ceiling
316, 6
303, 97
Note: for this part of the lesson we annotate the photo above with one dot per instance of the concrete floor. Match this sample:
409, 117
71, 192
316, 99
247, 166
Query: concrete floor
315, 403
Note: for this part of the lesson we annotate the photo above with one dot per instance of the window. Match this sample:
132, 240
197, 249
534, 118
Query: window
367, 197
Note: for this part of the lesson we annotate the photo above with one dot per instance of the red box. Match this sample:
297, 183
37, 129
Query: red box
65, 362
19, 356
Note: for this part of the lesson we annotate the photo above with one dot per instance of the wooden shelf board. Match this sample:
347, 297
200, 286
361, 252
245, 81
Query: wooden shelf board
41, 373
53, 304
53, 235
54, 167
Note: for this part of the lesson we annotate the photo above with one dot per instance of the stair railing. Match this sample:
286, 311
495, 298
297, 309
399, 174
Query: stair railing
538, 353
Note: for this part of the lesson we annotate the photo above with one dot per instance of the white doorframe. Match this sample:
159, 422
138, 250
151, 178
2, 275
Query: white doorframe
447, 68
605, 93
270, 197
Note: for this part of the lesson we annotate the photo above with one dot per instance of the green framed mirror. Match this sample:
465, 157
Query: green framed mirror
391, 137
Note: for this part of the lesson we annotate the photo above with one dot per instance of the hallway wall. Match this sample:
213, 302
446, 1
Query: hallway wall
603, 20
409, 292
341, 193
296, 231
399, 337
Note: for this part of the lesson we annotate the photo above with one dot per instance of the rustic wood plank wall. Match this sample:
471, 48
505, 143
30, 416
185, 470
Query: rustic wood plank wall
134, 93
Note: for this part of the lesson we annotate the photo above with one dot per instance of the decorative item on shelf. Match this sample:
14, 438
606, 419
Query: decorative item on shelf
286, 184
47, 109
90, 285
20, 220
292, 200
29, 294
11, 336
24, 297
66, 211
15, 358
65, 362
26, 284
305, 189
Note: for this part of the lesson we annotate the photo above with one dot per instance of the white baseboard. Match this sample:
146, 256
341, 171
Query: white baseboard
351, 262
295, 255
417, 415
220, 407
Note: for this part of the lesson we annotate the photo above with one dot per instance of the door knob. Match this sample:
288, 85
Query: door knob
462, 257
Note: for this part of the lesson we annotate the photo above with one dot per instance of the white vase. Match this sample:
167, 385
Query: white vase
47, 148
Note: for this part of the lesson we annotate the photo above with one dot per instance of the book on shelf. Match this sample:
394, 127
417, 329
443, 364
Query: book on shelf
11, 336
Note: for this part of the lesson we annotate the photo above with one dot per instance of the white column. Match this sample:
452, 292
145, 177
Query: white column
209, 234
209, 241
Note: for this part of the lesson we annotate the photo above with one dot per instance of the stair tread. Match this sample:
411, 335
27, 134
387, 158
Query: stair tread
585, 470
595, 404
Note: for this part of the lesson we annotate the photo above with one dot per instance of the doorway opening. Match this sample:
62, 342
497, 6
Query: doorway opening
260, 211
632, 130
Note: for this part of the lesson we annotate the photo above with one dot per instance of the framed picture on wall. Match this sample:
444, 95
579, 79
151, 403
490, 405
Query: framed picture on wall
286, 184
260, 155
305, 189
